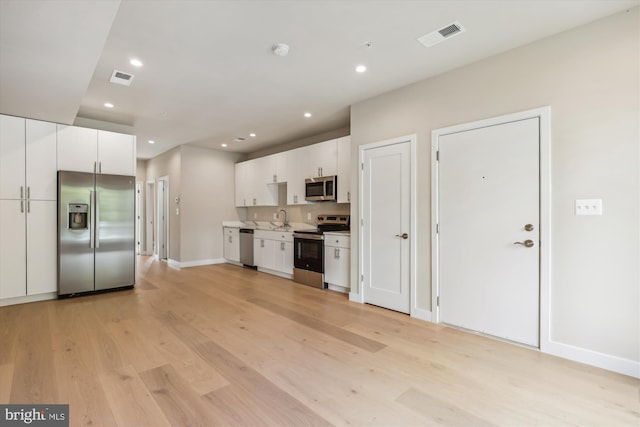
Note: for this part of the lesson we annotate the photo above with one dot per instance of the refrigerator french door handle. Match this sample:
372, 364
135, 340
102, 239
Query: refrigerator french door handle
97, 200
91, 227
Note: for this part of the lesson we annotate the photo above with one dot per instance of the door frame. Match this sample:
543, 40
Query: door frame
544, 116
162, 235
414, 311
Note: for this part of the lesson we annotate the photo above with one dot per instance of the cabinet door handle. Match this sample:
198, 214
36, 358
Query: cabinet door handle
282, 246
262, 243
95, 167
229, 239
348, 196
275, 178
254, 201
28, 206
295, 199
21, 192
28, 192
21, 205
336, 253
99, 167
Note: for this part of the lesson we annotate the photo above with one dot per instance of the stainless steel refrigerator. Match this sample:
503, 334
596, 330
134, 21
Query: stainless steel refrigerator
96, 232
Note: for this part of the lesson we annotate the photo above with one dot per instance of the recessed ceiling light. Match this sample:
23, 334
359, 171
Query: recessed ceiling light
224, 145
361, 68
135, 62
108, 105
252, 135
307, 115
151, 142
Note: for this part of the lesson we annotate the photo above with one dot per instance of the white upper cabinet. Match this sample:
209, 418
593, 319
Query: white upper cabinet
41, 148
253, 186
27, 159
12, 153
116, 153
257, 179
344, 169
322, 159
90, 150
296, 174
77, 149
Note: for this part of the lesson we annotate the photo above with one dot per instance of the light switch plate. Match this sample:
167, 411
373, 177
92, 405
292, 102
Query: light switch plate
589, 207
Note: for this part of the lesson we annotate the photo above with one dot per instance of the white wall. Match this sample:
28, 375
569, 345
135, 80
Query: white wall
590, 78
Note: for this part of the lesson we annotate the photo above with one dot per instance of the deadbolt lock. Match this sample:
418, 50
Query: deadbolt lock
528, 227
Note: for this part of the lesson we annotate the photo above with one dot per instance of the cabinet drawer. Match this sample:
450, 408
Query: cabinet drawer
281, 236
337, 241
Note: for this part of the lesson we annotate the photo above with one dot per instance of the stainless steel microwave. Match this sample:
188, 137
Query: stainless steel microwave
323, 188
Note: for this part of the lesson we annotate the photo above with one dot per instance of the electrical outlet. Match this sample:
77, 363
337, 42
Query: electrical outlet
308, 216
589, 207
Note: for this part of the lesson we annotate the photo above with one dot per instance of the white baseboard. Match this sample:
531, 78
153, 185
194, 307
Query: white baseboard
593, 358
202, 262
355, 297
337, 288
28, 298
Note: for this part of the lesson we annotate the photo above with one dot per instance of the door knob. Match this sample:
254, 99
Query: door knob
527, 243
403, 235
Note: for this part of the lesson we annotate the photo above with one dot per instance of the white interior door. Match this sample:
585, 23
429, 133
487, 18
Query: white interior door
386, 231
488, 242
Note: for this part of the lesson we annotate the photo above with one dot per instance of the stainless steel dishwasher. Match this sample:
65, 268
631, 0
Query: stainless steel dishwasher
246, 247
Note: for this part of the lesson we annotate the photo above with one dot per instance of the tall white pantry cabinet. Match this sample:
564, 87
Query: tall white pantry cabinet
31, 153
28, 207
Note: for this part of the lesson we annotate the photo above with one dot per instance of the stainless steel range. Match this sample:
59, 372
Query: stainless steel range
308, 255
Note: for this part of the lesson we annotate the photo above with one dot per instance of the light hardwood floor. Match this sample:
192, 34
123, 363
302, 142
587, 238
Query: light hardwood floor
223, 345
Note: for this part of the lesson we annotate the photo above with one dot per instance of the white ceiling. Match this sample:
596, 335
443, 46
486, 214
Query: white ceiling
210, 76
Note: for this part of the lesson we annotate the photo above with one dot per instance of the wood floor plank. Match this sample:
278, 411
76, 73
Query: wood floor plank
319, 325
9, 317
130, 400
34, 376
6, 378
179, 403
77, 366
281, 407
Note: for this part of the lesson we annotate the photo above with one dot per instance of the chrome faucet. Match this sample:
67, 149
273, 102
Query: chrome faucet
286, 221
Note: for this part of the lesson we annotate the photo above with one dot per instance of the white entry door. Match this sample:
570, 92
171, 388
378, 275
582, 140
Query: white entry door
386, 230
488, 214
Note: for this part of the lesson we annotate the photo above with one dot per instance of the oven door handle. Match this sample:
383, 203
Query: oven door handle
299, 249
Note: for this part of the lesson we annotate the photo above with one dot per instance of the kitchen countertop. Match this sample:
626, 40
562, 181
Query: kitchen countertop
266, 225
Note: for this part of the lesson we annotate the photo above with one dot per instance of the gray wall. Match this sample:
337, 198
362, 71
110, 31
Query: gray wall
168, 164
203, 179
207, 198
590, 78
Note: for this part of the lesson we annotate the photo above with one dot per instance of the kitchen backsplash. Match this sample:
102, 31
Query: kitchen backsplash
295, 213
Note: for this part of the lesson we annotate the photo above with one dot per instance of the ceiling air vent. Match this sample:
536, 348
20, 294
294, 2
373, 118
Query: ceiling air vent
121, 78
444, 33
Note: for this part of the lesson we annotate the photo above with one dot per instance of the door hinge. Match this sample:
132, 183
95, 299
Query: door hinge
438, 301
362, 277
437, 228
361, 166
438, 156
361, 222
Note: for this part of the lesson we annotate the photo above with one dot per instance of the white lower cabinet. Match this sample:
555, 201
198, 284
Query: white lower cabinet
273, 252
231, 243
28, 248
337, 261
